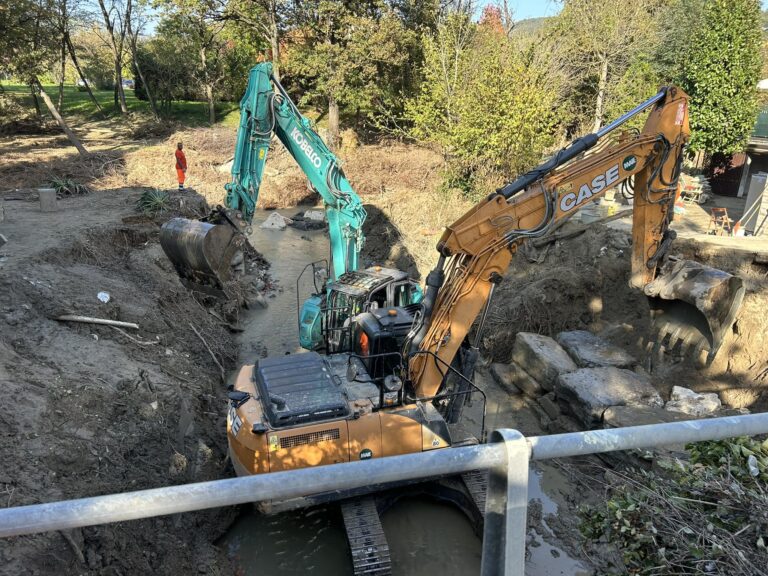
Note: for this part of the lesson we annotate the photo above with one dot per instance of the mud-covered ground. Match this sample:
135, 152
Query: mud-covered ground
91, 410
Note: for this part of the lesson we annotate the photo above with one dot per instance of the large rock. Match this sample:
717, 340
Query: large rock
590, 351
624, 416
314, 215
588, 392
512, 377
542, 358
690, 402
276, 221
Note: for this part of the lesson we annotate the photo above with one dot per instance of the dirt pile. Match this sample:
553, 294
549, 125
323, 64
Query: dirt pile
582, 284
91, 410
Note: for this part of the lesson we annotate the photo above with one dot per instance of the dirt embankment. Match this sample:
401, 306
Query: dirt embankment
91, 410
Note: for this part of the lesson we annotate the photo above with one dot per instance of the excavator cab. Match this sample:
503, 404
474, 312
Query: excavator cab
326, 319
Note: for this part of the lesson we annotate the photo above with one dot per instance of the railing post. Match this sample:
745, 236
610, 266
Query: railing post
506, 508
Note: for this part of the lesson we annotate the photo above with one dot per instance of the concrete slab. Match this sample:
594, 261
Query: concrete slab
314, 215
689, 402
588, 392
276, 221
590, 351
542, 358
503, 376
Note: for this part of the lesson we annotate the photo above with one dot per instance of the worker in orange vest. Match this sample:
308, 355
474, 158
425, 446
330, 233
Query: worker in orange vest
181, 165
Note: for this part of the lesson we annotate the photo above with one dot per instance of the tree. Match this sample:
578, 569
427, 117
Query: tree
602, 39
350, 54
266, 18
719, 68
117, 15
483, 103
204, 22
28, 46
135, 24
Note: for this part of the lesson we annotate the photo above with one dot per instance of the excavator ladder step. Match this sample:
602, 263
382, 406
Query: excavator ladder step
476, 482
367, 541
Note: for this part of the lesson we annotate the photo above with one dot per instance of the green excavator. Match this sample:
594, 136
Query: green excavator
210, 253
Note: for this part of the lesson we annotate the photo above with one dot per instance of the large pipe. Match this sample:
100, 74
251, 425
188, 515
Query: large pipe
337, 477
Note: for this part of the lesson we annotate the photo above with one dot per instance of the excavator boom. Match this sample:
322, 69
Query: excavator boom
208, 253
476, 250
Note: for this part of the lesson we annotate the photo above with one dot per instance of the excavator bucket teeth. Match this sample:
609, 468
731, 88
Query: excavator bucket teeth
205, 255
693, 307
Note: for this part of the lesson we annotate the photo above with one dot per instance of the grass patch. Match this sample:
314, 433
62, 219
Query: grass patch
77, 103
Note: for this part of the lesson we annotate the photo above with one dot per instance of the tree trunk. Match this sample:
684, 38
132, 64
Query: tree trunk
208, 87
274, 39
63, 15
119, 86
147, 89
333, 123
55, 113
132, 40
36, 102
60, 100
602, 84
73, 56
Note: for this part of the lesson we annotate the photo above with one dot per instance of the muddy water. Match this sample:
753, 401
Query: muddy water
425, 537
288, 251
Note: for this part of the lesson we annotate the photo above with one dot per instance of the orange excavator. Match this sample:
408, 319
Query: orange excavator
404, 384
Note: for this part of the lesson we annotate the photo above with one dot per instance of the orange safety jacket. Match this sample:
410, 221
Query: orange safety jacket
181, 160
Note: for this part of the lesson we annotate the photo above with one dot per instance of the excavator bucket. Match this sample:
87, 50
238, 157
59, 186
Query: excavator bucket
693, 307
205, 255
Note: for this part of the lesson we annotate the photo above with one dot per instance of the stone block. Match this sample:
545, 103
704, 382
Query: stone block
623, 416
590, 351
689, 402
502, 375
588, 392
276, 221
314, 215
47, 199
548, 403
542, 358
512, 376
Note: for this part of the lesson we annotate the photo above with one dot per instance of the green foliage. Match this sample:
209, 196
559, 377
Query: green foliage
707, 516
743, 458
719, 67
152, 202
352, 53
489, 112
65, 186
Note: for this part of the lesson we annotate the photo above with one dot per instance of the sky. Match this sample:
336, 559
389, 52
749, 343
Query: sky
535, 8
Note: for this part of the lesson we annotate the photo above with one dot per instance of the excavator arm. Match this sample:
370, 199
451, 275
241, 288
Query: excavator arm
476, 250
209, 252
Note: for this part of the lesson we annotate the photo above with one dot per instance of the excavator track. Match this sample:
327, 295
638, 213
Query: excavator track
476, 482
365, 534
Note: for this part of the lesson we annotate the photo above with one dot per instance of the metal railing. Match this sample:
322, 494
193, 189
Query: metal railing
507, 457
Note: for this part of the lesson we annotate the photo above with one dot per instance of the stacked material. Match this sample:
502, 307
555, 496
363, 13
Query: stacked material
695, 189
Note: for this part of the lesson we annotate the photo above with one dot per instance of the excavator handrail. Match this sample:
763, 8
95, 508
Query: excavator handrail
440, 396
